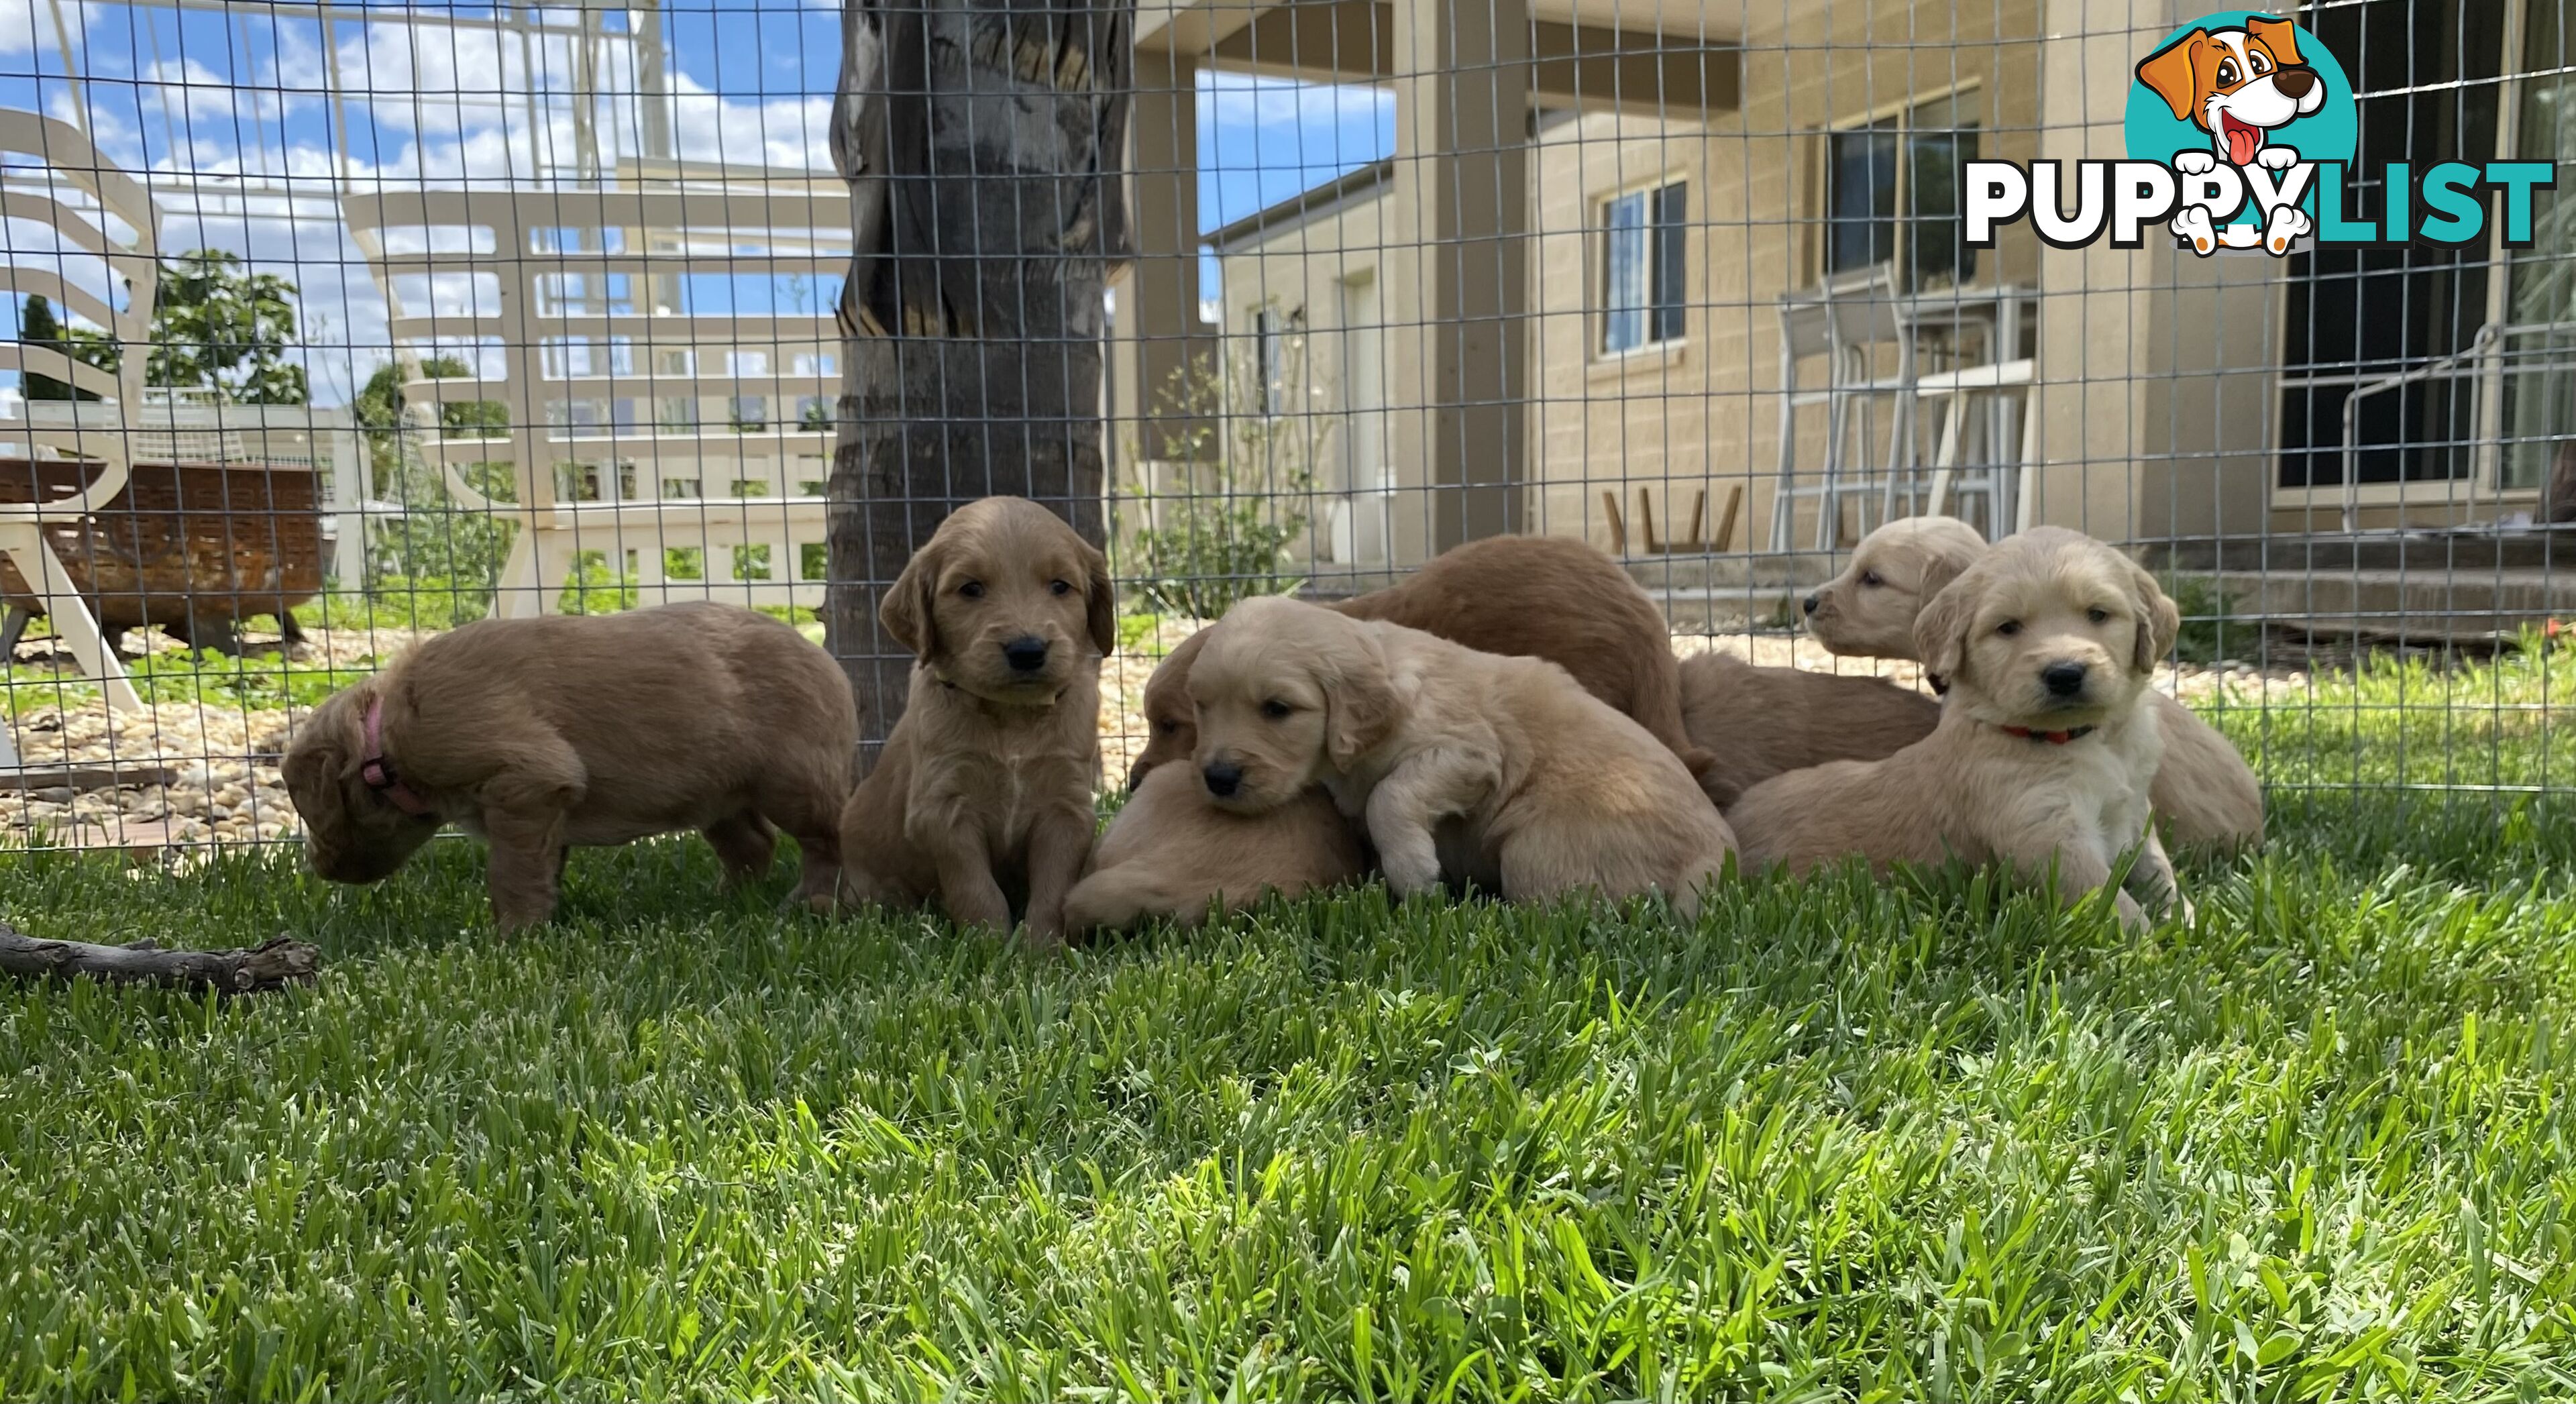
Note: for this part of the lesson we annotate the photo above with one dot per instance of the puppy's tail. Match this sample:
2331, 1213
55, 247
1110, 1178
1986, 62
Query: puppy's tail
1114, 899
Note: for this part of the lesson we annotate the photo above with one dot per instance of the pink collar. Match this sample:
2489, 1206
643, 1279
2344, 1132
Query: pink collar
378, 772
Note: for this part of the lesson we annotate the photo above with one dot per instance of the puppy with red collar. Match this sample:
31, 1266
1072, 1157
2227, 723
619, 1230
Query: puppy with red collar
2240, 86
2045, 750
539, 735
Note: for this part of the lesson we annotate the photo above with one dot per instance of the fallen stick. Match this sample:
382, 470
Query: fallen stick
263, 967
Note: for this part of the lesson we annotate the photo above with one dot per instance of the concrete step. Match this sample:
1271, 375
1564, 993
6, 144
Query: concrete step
2419, 604
2539, 548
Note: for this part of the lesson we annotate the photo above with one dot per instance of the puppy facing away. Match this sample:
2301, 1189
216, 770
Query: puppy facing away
1868, 610
1174, 852
982, 798
543, 734
1552, 597
2205, 793
1465, 766
2045, 749
1760, 722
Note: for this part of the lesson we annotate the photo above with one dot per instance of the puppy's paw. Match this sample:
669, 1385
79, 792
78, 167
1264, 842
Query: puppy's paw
2193, 163
2274, 158
2285, 226
1408, 874
2192, 222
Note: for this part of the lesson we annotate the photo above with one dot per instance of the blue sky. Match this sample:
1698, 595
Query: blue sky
242, 91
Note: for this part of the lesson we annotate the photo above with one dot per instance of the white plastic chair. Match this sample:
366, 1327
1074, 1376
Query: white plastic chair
1844, 322
83, 229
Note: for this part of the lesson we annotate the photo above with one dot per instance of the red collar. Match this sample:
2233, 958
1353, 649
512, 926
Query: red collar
2054, 738
378, 772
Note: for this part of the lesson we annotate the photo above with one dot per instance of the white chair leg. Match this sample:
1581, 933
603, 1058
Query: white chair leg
515, 596
2025, 463
69, 615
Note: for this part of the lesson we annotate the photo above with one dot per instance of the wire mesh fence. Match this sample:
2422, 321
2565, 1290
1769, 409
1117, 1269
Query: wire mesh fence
340, 324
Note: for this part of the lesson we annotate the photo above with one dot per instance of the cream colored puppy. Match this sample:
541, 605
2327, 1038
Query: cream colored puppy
1466, 766
2045, 751
2205, 795
1868, 610
1173, 852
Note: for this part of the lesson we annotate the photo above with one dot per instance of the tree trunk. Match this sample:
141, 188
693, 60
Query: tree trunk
983, 141
264, 967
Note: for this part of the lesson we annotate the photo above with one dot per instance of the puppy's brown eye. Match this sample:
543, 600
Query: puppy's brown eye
1871, 579
2008, 628
2260, 64
1166, 728
2098, 616
1058, 587
1275, 709
2226, 72
972, 589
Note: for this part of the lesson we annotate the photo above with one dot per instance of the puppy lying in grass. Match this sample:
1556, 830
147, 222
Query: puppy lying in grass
1759, 722
2046, 748
2205, 793
1173, 852
1550, 597
982, 800
1466, 766
539, 735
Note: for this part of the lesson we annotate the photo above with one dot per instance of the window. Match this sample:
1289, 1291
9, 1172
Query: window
749, 413
1643, 268
1892, 193
678, 412
813, 561
1269, 336
680, 487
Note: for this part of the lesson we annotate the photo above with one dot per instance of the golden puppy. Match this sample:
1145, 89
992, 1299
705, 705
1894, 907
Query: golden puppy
2205, 793
1552, 597
982, 799
1464, 765
542, 734
1174, 852
1760, 722
2045, 750
1868, 610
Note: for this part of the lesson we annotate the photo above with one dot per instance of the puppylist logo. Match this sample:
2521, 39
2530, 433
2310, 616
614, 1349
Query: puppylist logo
2241, 132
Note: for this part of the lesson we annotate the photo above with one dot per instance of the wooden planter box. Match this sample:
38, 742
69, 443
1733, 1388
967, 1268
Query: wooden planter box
193, 547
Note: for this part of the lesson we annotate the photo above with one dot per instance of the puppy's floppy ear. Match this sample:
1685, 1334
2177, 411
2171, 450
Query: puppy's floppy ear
906, 610
2159, 619
1359, 700
1102, 613
1941, 632
1944, 565
2172, 73
2278, 35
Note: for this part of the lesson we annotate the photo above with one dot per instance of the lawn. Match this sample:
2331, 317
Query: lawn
1835, 1140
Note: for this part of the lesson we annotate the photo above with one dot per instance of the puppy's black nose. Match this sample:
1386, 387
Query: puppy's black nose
2294, 82
1223, 777
1027, 655
1810, 603
2063, 679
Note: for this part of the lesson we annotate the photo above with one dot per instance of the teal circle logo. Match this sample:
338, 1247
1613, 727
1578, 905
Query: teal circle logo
2235, 62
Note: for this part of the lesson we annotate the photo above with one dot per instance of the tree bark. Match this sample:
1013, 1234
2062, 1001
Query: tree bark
265, 967
983, 141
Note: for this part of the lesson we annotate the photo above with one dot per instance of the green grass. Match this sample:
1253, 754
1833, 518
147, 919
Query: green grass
1922, 1140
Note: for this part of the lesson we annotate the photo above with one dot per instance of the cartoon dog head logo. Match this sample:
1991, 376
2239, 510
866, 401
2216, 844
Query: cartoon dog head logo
2240, 86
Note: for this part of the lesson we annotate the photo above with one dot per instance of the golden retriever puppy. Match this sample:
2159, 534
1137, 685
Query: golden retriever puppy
2045, 750
1174, 852
1552, 597
1465, 766
1760, 722
2205, 795
982, 799
548, 733
1868, 610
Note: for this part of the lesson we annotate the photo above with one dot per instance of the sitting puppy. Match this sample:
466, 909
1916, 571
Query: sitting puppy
2045, 749
540, 734
982, 799
2205, 793
1761, 722
1466, 766
1173, 852
1551, 597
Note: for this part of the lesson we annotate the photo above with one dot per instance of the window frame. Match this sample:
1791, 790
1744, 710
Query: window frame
1969, 92
1660, 260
